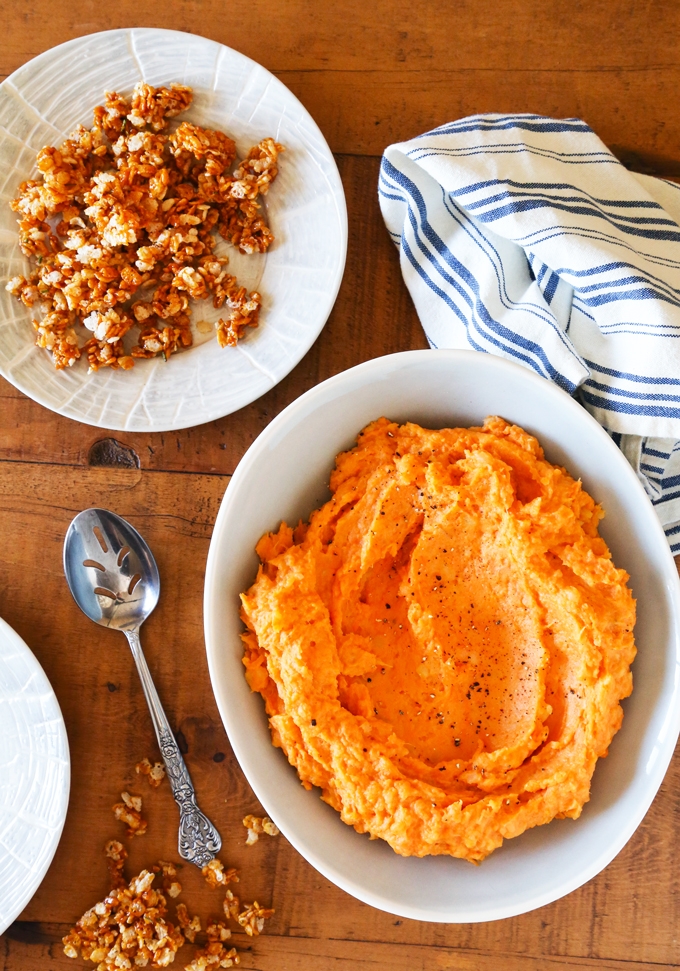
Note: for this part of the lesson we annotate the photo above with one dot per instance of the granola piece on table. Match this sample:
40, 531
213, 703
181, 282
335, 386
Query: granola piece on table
154, 773
216, 876
116, 855
129, 812
253, 917
256, 825
231, 905
190, 927
215, 954
127, 929
171, 884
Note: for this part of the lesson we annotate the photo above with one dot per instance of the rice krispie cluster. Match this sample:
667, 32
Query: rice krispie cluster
122, 228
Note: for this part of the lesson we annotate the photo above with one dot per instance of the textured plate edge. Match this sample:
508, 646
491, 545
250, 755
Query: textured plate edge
32, 886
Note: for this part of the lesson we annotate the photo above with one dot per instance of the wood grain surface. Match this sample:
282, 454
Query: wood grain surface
370, 74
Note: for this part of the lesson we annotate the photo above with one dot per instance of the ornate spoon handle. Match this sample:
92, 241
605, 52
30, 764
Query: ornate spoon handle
199, 841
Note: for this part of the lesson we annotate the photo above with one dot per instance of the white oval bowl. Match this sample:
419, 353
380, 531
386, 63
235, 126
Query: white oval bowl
284, 475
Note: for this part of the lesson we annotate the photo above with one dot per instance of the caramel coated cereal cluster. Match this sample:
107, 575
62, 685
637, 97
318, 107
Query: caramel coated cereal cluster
253, 917
190, 926
216, 876
171, 885
154, 773
129, 811
116, 855
257, 825
127, 929
121, 224
215, 954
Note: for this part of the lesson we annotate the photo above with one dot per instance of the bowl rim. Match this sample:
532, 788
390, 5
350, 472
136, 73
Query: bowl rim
211, 590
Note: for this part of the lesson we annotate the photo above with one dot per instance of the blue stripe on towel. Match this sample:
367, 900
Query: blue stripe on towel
502, 337
532, 241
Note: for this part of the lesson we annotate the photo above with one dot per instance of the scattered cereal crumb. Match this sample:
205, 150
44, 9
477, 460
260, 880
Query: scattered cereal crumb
127, 929
253, 917
217, 876
217, 931
132, 802
213, 955
231, 905
171, 886
116, 855
155, 773
190, 928
257, 825
129, 811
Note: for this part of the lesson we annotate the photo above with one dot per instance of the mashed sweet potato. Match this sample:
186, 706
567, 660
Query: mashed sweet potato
443, 649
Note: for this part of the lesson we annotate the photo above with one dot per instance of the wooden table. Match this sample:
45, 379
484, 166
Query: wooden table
370, 73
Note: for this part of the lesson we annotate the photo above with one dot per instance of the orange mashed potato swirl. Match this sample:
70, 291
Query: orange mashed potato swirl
443, 649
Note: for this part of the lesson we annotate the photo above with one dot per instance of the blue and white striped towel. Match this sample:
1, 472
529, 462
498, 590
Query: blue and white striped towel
523, 236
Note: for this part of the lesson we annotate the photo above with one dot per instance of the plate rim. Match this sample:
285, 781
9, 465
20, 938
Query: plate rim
211, 589
340, 204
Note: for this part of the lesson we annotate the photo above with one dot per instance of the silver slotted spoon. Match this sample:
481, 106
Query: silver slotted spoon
114, 579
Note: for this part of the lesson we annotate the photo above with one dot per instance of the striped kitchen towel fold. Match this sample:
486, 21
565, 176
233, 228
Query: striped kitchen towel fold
524, 236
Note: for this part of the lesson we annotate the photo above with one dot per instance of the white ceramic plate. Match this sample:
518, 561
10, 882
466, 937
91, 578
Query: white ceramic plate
35, 774
298, 278
284, 475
